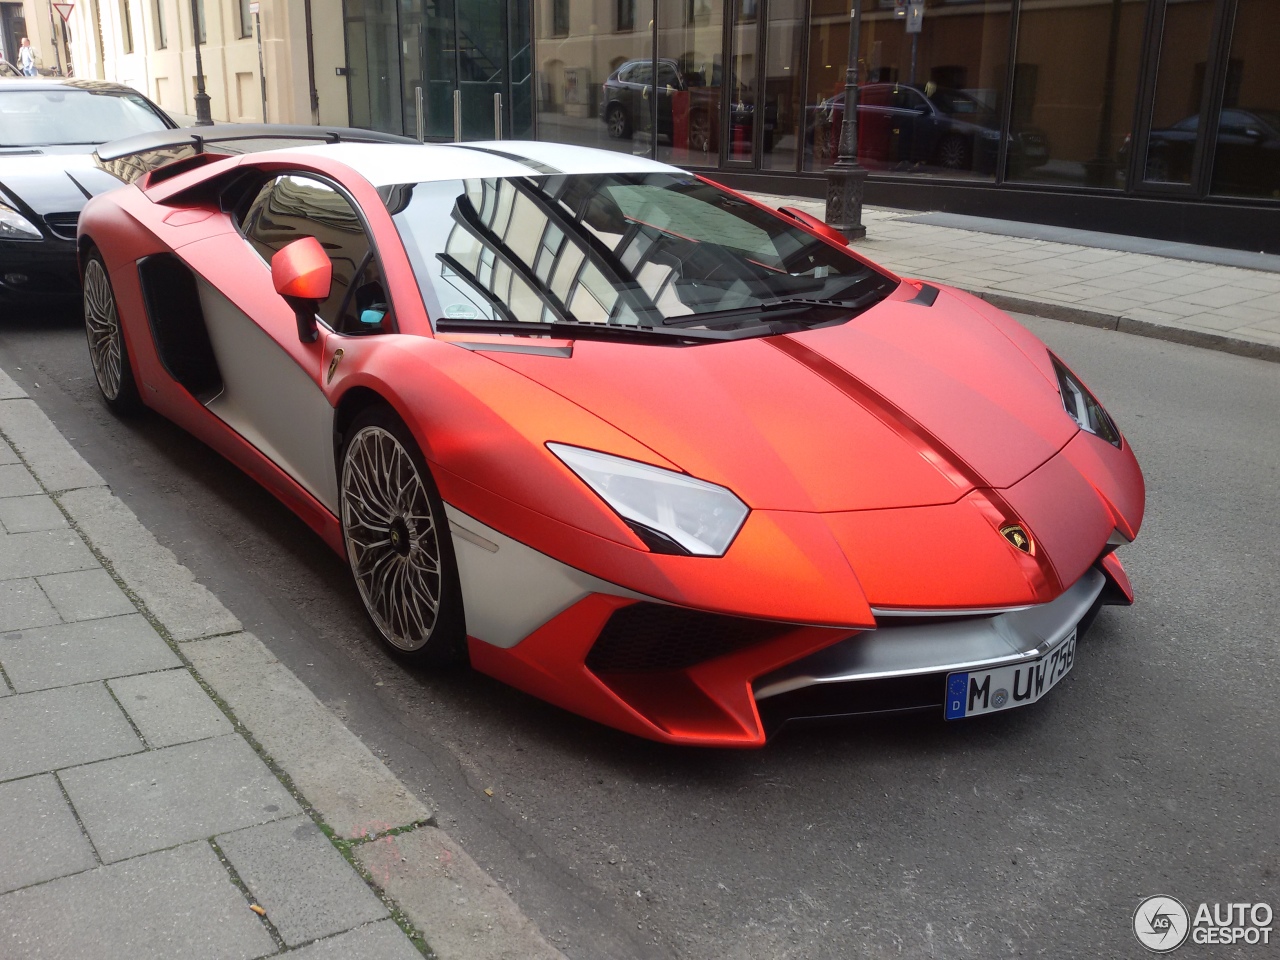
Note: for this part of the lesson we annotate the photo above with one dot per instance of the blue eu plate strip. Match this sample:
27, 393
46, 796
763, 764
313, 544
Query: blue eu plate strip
957, 689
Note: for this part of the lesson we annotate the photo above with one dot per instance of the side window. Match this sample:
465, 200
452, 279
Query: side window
292, 207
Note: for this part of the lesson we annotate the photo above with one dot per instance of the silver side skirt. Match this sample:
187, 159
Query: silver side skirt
976, 643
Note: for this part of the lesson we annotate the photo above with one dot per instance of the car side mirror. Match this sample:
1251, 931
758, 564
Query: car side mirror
814, 224
303, 274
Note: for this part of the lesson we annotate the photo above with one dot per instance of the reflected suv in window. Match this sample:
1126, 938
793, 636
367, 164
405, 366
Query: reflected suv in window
688, 105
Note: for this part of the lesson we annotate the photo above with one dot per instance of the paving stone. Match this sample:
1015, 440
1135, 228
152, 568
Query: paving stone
25, 514
178, 903
41, 839
86, 595
377, 941
308, 890
170, 708
24, 605
6, 452
151, 571
161, 798
61, 728
51, 458
40, 552
462, 913
17, 481
68, 653
351, 788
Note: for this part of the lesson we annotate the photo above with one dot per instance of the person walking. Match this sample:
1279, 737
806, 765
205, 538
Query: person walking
27, 58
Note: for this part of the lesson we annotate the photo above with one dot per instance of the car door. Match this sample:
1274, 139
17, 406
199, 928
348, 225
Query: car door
274, 384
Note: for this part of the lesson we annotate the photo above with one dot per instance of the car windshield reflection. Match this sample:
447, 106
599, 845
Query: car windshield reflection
630, 251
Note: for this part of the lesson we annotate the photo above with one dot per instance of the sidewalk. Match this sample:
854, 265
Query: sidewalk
1205, 296
170, 789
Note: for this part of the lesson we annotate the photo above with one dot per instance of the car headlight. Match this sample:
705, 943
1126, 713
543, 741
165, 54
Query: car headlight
1083, 406
669, 511
14, 226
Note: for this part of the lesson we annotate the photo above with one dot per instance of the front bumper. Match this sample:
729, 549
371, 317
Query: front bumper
38, 272
904, 665
710, 680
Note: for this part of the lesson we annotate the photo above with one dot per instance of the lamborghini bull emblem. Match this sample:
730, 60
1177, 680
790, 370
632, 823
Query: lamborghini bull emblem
1019, 537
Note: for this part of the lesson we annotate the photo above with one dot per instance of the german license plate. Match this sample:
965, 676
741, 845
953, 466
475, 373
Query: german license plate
988, 691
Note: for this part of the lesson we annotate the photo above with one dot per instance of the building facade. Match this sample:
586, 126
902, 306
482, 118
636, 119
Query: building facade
1156, 117
275, 64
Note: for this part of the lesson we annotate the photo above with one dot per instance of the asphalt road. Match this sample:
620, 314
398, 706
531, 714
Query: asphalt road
1153, 768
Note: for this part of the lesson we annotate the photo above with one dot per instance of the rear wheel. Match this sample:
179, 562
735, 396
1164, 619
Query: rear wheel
107, 350
617, 121
397, 540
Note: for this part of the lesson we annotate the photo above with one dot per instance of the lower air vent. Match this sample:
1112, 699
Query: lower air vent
63, 224
651, 637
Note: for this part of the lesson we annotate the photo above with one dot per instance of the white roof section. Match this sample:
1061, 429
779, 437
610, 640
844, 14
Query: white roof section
383, 164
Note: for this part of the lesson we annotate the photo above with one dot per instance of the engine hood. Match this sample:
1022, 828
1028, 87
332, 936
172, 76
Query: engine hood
905, 405
46, 181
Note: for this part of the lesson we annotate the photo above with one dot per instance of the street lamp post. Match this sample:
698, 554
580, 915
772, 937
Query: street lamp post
845, 180
203, 117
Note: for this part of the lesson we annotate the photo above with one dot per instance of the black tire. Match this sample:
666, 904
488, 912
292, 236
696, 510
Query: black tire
395, 532
955, 153
617, 122
108, 352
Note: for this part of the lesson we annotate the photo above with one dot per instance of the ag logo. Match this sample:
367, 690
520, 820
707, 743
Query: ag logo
1161, 924
1019, 537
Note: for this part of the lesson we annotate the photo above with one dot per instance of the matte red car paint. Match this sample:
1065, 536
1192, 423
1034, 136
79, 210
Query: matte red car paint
920, 432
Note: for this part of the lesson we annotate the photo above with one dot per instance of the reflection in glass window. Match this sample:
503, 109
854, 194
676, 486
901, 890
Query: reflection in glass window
627, 250
1075, 79
929, 102
1246, 158
586, 87
1180, 91
292, 207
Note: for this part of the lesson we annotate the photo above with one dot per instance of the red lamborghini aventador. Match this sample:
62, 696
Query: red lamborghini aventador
620, 437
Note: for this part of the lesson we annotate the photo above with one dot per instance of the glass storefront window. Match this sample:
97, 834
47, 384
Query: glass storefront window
783, 64
595, 82
930, 93
1075, 80
373, 85
1246, 159
690, 68
1179, 92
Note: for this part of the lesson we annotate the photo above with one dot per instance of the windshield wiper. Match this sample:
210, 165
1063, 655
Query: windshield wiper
778, 305
568, 330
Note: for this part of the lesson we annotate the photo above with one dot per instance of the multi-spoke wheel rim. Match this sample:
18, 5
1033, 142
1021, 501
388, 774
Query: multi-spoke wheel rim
390, 530
617, 122
953, 153
102, 326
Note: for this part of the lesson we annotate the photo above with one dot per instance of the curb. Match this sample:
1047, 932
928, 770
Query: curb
1138, 328
374, 821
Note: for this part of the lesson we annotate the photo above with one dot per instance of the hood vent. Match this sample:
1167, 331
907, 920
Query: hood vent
19, 152
62, 225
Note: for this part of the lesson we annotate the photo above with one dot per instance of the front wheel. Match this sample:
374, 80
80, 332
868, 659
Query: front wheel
398, 543
107, 350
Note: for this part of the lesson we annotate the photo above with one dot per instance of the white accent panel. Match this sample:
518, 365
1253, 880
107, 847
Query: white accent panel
388, 163
269, 400
510, 592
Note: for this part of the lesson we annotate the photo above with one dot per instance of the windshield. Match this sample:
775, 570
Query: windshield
647, 251
66, 115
